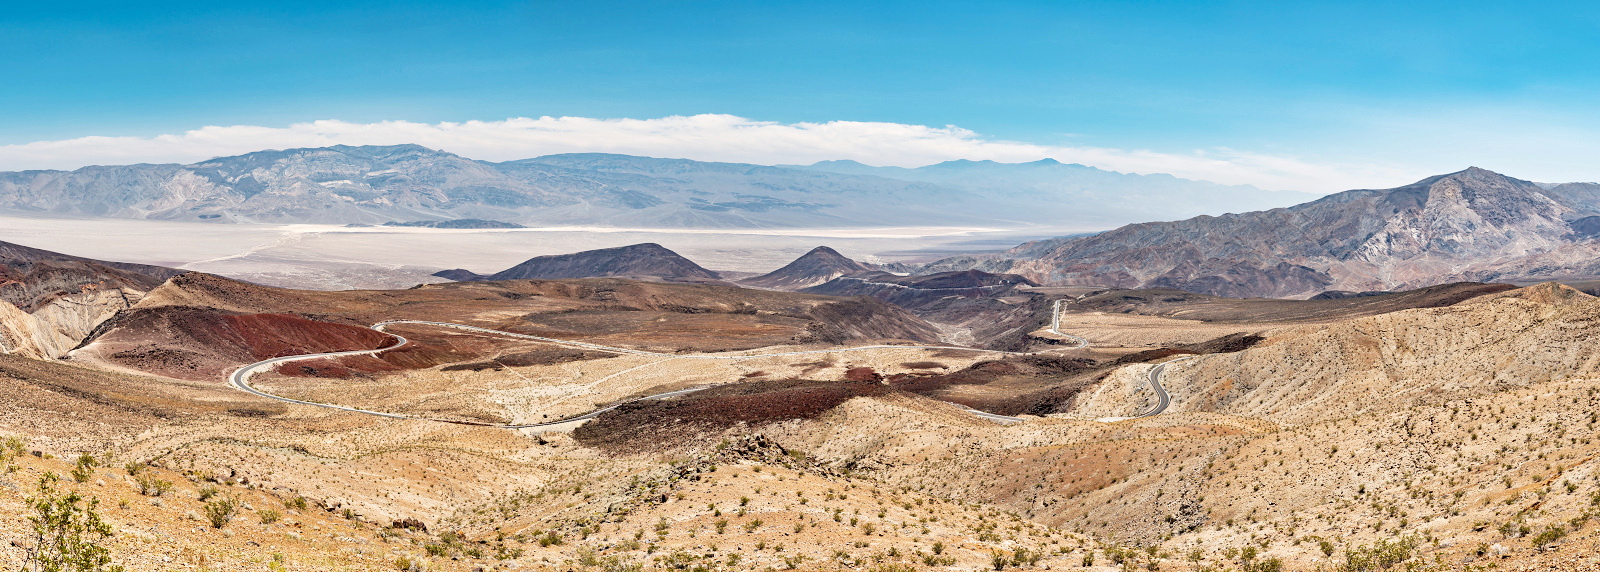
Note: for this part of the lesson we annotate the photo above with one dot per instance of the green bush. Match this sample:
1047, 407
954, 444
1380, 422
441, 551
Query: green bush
84, 469
1380, 556
151, 486
1549, 535
67, 532
221, 511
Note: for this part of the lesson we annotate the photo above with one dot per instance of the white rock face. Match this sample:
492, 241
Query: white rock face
57, 327
22, 334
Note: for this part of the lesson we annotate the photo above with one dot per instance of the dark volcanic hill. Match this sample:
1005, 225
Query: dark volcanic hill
1462, 226
816, 267
639, 261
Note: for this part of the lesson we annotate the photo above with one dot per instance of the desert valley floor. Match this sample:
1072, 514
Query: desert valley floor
1447, 428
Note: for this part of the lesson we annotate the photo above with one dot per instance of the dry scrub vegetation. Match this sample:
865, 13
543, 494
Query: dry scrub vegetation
1454, 437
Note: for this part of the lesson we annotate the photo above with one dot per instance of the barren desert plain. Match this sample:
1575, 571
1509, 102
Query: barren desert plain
1448, 428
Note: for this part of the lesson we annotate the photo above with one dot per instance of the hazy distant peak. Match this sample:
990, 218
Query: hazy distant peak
840, 163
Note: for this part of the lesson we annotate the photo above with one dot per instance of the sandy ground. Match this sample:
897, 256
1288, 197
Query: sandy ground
535, 394
1143, 332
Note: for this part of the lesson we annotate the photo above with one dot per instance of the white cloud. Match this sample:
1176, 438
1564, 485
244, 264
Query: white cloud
701, 137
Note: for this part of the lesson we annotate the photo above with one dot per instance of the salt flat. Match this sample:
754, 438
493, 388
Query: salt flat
339, 257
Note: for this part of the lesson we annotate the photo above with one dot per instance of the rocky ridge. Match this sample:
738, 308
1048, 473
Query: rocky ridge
1470, 225
50, 301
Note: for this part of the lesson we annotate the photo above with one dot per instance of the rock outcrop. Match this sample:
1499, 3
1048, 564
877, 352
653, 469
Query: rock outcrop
49, 301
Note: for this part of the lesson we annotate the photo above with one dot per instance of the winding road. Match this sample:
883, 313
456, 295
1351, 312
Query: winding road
1055, 326
240, 378
1162, 399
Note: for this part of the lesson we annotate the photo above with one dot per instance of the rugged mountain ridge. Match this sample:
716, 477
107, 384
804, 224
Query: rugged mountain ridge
1459, 226
639, 261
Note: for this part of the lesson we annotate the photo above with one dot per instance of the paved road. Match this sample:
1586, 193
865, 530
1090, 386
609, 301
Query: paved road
1162, 399
240, 378
1055, 327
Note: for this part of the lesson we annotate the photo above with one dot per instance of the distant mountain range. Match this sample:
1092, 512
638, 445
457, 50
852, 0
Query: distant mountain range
415, 185
1080, 194
1472, 225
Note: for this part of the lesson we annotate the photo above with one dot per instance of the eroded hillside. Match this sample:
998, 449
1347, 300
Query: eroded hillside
1447, 429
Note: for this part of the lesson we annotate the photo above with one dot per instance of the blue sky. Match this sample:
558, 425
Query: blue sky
1355, 90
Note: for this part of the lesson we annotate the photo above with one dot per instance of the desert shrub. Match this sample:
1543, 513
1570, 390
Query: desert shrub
1264, 565
84, 470
207, 492
297, 503
67, 532
269, 516
151, 486
221, 511
588, 557
935, 560
133, 468
13, 446
503, 552
998, 559
1549, 535
1382, 555
1024, 556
